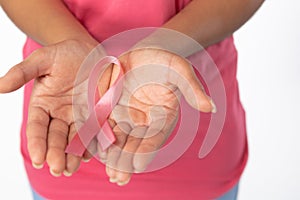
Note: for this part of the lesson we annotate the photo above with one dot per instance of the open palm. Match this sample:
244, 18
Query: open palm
50, 117
148, 109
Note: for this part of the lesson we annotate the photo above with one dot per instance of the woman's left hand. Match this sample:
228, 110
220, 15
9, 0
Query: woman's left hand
147, 111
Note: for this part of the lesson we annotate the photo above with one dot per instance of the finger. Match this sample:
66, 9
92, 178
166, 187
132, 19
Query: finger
57, 141
147, 150
37, 129
189, 85
103, 153
90, 151
72, 161
125, 162
114, 152
36, 65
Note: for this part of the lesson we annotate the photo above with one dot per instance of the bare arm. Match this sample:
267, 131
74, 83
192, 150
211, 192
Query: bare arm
206, 21
46, 21
50, 125
50, 22
210, 21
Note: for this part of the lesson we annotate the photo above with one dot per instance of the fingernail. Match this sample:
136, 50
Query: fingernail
113, 180
214, 108
123, 183
55, 173
86, 159
38, 166
66, 173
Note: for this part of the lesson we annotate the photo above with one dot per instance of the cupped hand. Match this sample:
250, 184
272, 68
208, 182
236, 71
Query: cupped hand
50, 117
147, 111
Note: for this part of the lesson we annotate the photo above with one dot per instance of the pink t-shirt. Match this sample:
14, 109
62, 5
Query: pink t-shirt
189, 177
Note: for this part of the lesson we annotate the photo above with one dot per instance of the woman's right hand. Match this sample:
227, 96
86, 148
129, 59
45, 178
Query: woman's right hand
51, 124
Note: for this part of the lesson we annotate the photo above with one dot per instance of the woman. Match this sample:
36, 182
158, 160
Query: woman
69, 30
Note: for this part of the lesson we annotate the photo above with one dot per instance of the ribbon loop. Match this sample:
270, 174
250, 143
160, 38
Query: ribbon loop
96, 123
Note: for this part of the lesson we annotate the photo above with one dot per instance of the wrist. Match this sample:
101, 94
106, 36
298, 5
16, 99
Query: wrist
170, 40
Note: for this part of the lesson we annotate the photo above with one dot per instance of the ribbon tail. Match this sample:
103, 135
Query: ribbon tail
106, 136
76, 147
85, 134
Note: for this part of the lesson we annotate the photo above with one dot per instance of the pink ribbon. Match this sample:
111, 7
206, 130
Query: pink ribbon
97, 124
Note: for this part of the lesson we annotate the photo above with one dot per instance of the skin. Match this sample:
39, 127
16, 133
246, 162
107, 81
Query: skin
50, 126
147, 111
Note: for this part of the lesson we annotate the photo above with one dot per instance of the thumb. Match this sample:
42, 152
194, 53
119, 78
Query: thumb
191, 88
196, 97
34, 66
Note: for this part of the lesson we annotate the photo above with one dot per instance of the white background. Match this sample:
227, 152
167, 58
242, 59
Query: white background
269, 76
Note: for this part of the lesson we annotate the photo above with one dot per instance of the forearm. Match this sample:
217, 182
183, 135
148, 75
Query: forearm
205, 21
46, 21
211, 21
